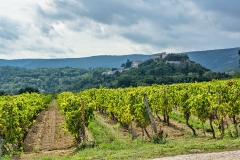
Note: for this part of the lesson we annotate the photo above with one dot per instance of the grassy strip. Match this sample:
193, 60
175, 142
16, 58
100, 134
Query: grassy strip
105, 136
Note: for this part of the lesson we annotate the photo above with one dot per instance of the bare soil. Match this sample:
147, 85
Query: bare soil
47, 133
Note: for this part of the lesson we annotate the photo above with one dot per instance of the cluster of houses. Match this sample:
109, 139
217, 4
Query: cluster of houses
135, 63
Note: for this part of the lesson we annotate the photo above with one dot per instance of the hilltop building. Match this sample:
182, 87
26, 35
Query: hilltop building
160, 55
135, 64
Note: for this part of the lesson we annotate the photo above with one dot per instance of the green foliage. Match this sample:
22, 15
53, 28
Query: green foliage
50, 79
239, 55
127, 64
71, 106
177, 57
28, 90
17, 114
2, 93
208, 100
158, 71
159, 138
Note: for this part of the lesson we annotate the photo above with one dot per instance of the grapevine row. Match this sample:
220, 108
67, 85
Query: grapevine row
17, 114
208, 101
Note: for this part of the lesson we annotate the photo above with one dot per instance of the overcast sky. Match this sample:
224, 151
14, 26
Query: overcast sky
82, 28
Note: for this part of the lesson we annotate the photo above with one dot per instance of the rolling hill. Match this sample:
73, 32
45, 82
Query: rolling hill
87, 62
216, 60
219, 60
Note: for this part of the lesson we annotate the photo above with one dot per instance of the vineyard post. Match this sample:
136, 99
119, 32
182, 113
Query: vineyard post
221, 116
150, 114
83, 125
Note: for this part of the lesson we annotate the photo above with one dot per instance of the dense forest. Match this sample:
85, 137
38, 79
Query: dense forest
175, 68
12, 79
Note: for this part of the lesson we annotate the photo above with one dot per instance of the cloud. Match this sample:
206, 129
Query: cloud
225, 15
46, 29
17, 39
230, 9
106, 12
120, 18
77, 28
9, 29
56, 13
145, 22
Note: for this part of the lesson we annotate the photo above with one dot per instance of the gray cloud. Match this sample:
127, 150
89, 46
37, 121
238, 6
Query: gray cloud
126, 16
56, 13
225, 14
22, 37
106, 12
46, 29
230, 8
9, 29
118, 12
72, 26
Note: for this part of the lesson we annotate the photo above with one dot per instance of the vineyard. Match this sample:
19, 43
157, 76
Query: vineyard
214, 105
17, 114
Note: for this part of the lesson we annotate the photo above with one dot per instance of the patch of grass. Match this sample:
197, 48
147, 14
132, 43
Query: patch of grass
117, 126
105, 136
192, 121
6, 157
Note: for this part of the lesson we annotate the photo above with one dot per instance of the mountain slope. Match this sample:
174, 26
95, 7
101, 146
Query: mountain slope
87, 62
216, 60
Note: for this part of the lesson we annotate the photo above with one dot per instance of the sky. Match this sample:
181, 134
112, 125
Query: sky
83, 28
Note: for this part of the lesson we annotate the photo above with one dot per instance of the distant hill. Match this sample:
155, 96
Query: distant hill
219, 60
87, 62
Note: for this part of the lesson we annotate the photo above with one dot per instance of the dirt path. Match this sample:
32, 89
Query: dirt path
226, 155
47, 134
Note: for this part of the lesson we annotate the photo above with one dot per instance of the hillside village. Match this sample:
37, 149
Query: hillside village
135, 63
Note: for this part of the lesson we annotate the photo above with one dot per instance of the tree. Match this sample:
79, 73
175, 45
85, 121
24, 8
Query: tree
239, 55
2, 93
123, 65
29, 90
126, 81
128, 64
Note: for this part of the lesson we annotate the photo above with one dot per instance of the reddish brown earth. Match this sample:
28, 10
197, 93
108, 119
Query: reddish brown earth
47, 133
